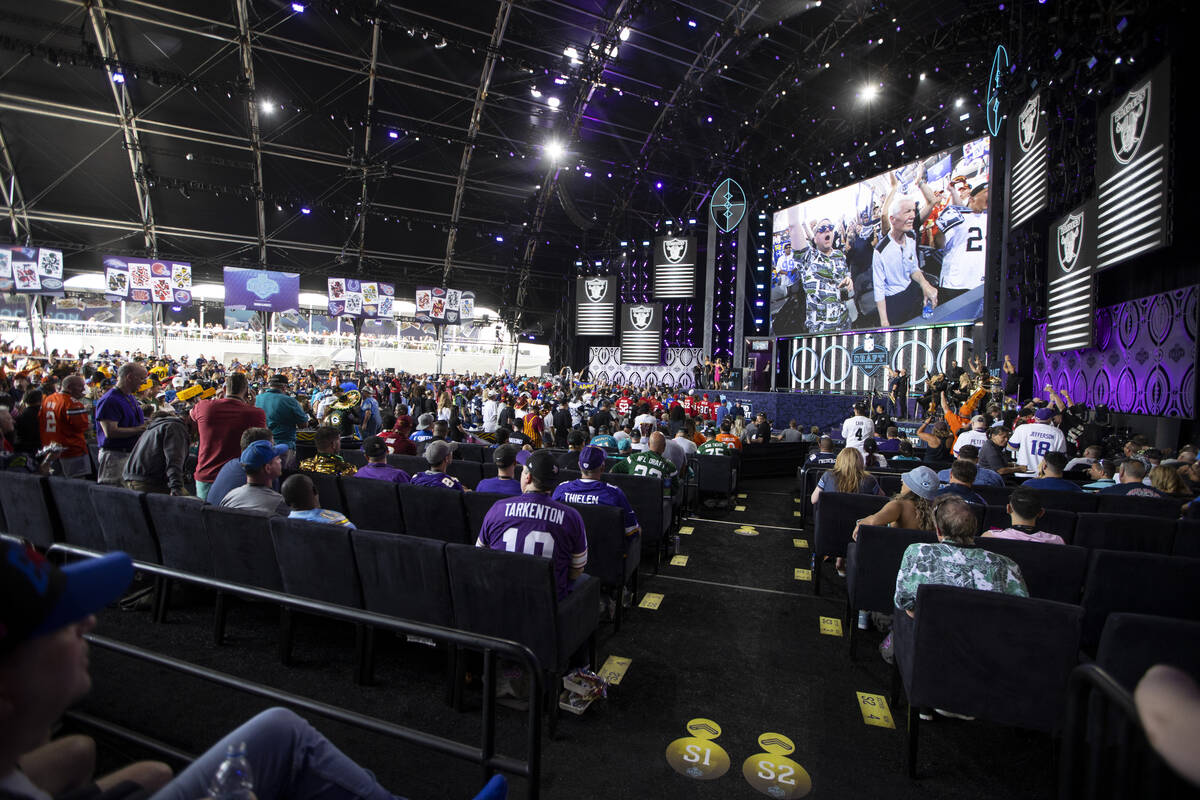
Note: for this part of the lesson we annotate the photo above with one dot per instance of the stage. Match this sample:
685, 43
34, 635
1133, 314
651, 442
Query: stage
825, 410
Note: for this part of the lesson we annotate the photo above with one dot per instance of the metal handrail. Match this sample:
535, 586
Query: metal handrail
485, 755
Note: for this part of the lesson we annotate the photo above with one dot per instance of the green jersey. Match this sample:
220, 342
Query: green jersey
714, 448
648, 463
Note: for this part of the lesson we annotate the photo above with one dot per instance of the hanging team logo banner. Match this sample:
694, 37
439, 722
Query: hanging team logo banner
869, 356
1070, 235
441, 306
641, 333
1070, 295
1028, 122
1028, 145
1127, 124
148, 281
349, 297
728, 205
595, 306
31, 270
596, 289
674, 267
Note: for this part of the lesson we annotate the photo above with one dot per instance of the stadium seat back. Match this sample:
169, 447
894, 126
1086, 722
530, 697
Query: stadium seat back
1125, 532
872, 563
1140, 583
182, 537
1130, 644
404, 576
434, 513
477, 505
1051, 571
73, 504
1161, 508
1068, 501
316, 561
469, 472
373, 505
124, 522
242, 549
27, 511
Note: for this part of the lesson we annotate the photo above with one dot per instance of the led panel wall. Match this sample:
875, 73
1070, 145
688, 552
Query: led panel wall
1132, 165
1028, 147
641, 333
596, 306
1070, 296
674, 267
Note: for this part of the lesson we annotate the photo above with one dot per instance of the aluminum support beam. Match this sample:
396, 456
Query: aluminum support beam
18, 217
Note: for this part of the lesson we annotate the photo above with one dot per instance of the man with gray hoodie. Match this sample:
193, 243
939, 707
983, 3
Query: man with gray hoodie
156, 463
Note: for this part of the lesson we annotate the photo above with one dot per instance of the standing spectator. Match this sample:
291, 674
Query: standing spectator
377, 468
283, 412
561, 422
761, 429
64, 421
301, 496
221, 421
1050, 475
1024, 510
438, 455
263, 466
1034, 440
28, 429
1133, 472
119, 422
372, 420
328, 460
505, 458
156, 463
491, 412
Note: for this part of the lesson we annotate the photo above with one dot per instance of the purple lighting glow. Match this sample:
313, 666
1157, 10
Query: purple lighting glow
658, 184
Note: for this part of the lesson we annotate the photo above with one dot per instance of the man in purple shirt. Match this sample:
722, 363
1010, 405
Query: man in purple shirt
591, 490
119, 423
533, 524
377, 468
505, 457
439, 454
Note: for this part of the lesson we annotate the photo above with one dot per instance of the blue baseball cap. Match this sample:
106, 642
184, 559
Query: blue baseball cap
591, 457
261, 453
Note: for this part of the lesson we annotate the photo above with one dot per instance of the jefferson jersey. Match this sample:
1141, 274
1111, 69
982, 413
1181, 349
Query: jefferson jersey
589, 492
857, 430
963, 259
535, 525
1033, 440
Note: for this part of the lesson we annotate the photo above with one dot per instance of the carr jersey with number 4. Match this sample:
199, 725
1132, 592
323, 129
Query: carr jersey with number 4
535, 525
857, 430
963, 260
1033, 440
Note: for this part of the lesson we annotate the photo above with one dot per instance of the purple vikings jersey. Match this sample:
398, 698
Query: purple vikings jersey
509, 486
535, 525
433, 478
590, 493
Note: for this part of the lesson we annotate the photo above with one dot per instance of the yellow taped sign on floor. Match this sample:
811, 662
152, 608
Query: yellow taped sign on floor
831, 626
803, 574
686, 530
651, 600
739, 508
797, 514
679, 561
614, 669
742, 496
746, 530
797, 500
875, 710
800, 542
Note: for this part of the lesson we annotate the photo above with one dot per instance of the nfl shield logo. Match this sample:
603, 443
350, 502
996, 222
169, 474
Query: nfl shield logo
641, 316
1127, 125
1029, 122
728, 205
867, 357
596, 289
1070, 233
674, 249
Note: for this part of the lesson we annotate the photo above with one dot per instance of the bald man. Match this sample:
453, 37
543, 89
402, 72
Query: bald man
650, 462
900, 286
64, 421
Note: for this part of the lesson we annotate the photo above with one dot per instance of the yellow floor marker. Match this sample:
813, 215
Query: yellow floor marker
773, 773
686, 530
679, 561
803, 574
739, 508
697, 756
614, 669
800, 542
875, 710
797, 514
831, 626
651, 600
746, 530
742, 496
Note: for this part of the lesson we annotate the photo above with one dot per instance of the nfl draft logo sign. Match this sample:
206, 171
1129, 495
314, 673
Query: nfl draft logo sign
867, 357
675, 249
1127, 126
1029, 122
641, 316
995, 89
1070, 234
596, 289
728, 205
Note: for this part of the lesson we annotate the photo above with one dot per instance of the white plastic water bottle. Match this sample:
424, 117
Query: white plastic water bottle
864, 620
234, 779
927, 311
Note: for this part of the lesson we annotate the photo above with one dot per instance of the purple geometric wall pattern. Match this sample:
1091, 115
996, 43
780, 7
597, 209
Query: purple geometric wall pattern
1144, 361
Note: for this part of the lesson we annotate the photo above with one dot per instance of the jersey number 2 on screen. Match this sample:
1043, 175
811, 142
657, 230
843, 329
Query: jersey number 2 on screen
974, 240
537, 543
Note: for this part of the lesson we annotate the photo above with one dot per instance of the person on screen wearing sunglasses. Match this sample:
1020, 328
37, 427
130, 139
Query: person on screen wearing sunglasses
825, 276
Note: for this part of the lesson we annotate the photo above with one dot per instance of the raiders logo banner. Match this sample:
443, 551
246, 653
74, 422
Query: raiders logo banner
596, 306
674, 267
641, 333
1070, 296
1028, 152
1132, 164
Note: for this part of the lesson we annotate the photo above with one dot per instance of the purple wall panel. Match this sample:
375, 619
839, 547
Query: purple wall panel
1144, 361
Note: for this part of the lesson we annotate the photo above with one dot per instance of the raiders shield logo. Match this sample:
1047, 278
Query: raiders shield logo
1127, 125
1029, 122
641, 316
1070, 234
596, 289
674, 249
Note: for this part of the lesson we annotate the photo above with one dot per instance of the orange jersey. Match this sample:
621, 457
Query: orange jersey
64, 421
730, 439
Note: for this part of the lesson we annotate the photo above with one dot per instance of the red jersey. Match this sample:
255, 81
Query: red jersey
624, 404
687, 404
63, 421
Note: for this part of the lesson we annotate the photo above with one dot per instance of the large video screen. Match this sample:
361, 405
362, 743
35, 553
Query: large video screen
261, 290
904, 248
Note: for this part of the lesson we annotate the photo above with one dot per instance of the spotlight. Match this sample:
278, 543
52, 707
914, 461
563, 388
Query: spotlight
624, 34
118, 76
922, 76
305, 210
658, 184
298, 8
553, 102
869, 92
267, 106
554, 151
499, 238
691, 23
958, 103
535, 92
393, 134
441, 44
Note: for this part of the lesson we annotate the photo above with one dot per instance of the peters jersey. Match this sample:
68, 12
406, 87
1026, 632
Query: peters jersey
434, 478
857, 430
963, 258
64, 421
535, 525
1033, 440
977, 438
588, 492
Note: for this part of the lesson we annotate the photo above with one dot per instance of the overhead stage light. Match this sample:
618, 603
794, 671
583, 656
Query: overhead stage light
298, 8
624, 34
554, 151
553, 102
869, 92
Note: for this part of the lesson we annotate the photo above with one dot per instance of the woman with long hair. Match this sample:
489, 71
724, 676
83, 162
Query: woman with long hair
938, 440
848, 475
1167, 480
445, 404
912, 508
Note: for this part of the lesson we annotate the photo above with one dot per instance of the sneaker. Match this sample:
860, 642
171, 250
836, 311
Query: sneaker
943, 712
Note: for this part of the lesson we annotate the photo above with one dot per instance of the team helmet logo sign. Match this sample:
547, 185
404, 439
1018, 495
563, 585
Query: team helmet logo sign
728, 205
1029, 122
674, 249
641, 316
596, 289
1070, 234
1127, 126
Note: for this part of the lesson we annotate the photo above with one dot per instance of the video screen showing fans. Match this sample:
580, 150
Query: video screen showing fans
901, 249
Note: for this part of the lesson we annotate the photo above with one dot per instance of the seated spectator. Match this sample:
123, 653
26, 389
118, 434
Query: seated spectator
1133, 471
874, 458
824, 455
328, 460
993, 456
636, 445
620, 435
262, 462
911, 508
651, 462
396, 438
424, 430
813, 435
377, 468
711, 446
1102, 474
232, 475
301, 496
156, 463
27, 426
505, 458
1050, 475
441, 431
976, 435
728, 437
1187, 454
792, 433
891, 442
848, 476
602, 439
983, 476
905, 454
575, 441
1091, 454
962, 483
590, 489
1024, 509
761, 430
1189, 475
684, 441
1167, 480
439, 455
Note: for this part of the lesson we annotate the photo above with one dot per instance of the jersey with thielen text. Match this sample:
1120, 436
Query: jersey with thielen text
966, 233
535, 525
587, 492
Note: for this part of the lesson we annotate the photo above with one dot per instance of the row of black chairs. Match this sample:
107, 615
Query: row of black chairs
837, 514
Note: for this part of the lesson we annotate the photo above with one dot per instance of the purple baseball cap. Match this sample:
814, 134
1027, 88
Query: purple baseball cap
591, 457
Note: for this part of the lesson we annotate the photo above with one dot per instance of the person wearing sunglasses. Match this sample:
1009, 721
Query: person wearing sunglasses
826, 280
